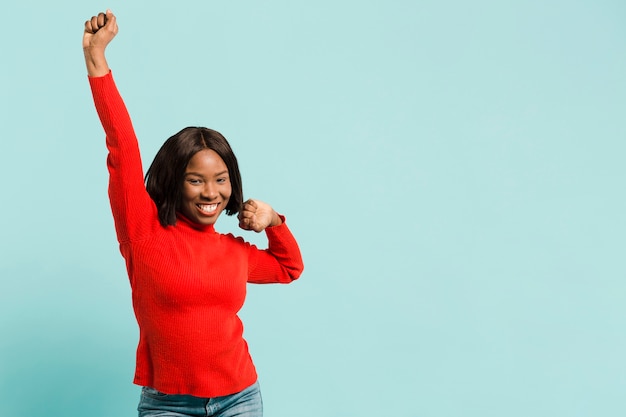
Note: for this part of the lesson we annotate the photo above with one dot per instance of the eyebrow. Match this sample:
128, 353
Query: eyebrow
197, 174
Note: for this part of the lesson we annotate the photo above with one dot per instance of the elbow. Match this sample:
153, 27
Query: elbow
295, 271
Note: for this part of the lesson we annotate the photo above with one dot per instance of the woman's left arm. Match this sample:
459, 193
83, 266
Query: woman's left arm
282, 261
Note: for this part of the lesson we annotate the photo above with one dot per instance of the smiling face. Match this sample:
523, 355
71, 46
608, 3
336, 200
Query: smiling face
206, 188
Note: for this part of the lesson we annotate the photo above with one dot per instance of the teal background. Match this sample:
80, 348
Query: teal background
454, 173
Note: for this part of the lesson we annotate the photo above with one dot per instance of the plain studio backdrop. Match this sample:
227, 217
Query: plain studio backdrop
454, 172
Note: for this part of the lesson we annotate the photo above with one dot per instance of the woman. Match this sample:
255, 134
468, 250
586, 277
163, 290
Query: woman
188, 281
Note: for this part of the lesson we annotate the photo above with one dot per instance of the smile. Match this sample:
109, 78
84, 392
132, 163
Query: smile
207, 208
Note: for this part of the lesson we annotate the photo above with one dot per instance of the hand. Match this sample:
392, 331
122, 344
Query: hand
100, 30
257, 215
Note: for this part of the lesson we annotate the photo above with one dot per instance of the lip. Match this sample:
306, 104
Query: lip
203, 212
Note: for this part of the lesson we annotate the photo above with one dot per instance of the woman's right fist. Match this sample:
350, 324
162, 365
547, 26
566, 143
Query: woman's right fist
95, 23
100, 30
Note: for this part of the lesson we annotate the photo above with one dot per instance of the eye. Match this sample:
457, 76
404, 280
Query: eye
194, 181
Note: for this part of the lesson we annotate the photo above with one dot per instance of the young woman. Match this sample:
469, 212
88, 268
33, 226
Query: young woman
188, 281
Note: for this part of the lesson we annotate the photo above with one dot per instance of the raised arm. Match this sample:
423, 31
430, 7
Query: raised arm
133, 210
99, 32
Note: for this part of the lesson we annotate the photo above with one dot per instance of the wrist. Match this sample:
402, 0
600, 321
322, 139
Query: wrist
94, 51
276, 220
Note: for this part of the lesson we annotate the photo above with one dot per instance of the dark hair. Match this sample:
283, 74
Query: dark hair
164, 179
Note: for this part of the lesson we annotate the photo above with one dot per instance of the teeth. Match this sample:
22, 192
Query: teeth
208, 208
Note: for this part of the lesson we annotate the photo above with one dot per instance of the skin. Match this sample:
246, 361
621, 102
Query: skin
99, 32
206, 188
206, 179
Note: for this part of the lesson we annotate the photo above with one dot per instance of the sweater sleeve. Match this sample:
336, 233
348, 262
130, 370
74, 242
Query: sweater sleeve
281, 262
132, 207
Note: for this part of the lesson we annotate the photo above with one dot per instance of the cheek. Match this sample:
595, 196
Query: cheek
186, 194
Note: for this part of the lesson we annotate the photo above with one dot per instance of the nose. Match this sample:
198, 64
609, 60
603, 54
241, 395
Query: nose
209, 191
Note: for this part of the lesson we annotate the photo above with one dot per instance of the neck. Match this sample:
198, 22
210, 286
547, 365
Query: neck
197, 226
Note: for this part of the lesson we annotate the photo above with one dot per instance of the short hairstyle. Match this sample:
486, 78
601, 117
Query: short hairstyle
164, 179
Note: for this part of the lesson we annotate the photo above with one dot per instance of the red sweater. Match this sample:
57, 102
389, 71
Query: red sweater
188, 281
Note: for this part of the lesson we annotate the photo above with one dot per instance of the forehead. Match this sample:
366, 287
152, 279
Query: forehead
206, 161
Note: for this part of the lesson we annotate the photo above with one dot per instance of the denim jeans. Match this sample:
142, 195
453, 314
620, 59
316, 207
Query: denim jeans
246, 403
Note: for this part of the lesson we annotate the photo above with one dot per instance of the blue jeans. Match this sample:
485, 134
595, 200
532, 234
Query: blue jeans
246, 403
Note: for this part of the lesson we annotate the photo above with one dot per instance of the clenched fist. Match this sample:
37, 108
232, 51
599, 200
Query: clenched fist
100, 30
257, 215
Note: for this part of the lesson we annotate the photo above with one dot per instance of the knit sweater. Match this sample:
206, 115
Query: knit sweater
188, 281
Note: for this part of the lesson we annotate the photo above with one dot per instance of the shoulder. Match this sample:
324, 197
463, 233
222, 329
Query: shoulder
230, 238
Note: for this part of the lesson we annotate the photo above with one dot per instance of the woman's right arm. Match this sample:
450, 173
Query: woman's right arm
131, 205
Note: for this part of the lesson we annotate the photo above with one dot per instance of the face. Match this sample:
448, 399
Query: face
206, 188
